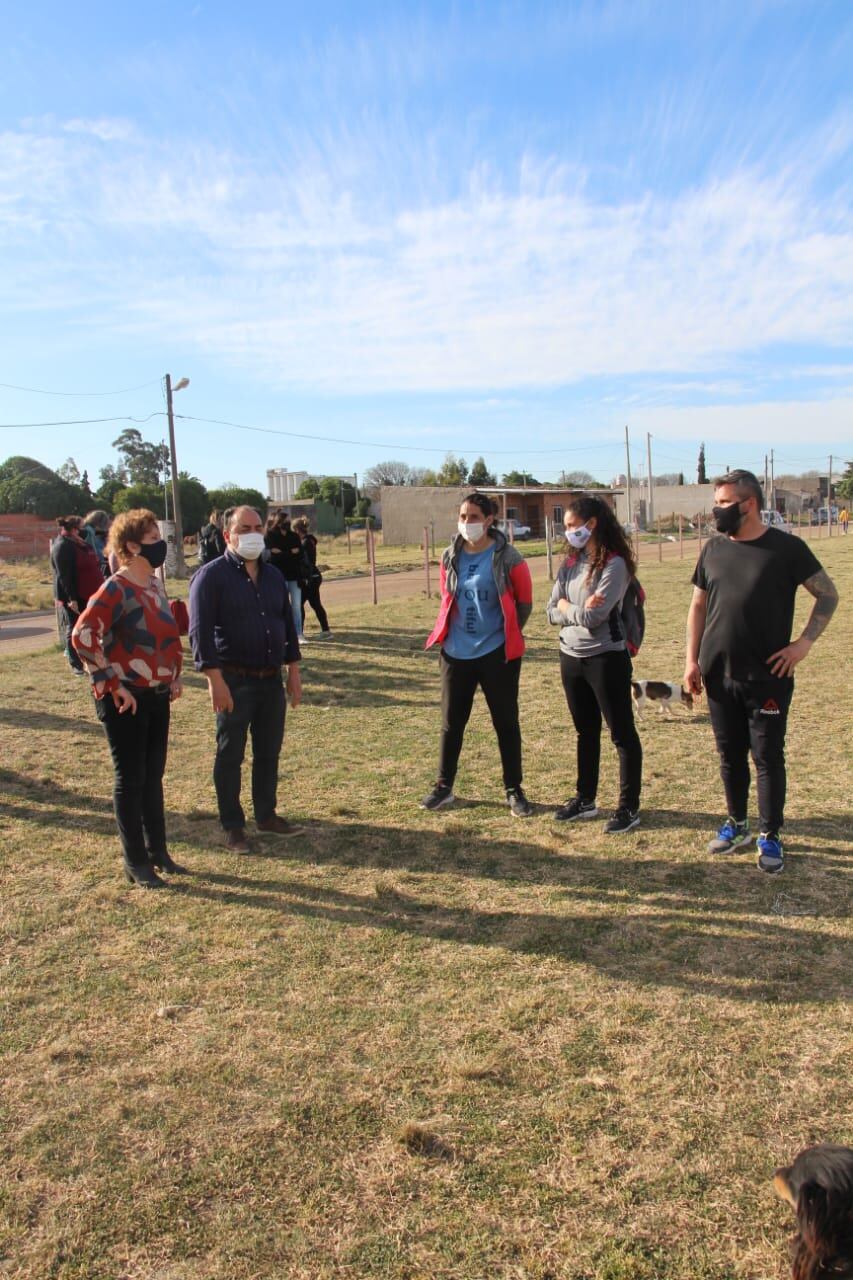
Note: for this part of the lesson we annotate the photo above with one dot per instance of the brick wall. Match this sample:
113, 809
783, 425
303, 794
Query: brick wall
25, 535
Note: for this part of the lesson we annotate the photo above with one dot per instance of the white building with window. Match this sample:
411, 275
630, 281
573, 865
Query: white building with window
283, 485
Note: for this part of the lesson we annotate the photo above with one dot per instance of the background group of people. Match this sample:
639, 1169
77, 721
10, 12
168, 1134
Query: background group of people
245, 619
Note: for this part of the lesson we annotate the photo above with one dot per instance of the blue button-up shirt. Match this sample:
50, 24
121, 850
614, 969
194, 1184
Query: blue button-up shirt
234, 620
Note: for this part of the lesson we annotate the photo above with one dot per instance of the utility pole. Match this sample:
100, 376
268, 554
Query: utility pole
766, 476
772, 482
829, 498
651, 512
180, 567
628, 477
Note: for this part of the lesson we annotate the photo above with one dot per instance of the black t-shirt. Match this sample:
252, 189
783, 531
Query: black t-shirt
750, 598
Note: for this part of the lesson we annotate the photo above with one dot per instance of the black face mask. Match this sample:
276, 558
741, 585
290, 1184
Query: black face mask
154, 552
728, 519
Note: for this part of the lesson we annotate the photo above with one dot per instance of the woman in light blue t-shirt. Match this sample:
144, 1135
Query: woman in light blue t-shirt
486, 598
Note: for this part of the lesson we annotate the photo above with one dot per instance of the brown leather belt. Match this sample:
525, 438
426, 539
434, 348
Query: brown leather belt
254, 673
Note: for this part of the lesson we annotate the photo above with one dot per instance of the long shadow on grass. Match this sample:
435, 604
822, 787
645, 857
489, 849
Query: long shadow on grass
27, 718
714, 955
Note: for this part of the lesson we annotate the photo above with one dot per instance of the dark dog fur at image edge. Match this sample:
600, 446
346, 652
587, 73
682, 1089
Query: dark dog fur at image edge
819, 1188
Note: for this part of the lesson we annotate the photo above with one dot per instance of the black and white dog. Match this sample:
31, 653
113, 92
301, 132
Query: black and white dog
662, 692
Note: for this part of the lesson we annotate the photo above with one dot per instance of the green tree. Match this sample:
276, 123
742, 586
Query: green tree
424, 477
701, 474
453, 471
844, 487
480, 475
232, 495
27, 485
333, 490
69, 471
195, 503
520, 480
146, 496
145, 463
308, 490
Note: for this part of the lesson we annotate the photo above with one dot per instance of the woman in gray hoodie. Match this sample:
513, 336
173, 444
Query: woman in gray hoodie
594, 661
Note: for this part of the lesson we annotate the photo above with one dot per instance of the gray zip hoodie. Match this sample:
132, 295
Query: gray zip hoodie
585, 632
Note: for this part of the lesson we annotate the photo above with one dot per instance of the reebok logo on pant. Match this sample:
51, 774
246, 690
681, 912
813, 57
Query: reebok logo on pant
770, 708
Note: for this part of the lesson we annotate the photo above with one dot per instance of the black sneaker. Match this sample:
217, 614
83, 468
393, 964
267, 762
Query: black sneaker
440, 796
623, 820
519, 805
576, 808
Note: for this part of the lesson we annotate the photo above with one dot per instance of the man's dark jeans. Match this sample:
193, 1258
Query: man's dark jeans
750, 716
259, 708
138, 744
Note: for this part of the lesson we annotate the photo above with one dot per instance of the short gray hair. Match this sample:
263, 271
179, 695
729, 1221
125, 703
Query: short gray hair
745, 483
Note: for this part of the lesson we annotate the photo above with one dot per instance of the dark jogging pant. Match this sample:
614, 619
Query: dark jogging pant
499, 681
600, 687
751, 716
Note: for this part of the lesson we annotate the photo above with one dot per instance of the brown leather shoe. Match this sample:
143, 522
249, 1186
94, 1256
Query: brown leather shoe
236, 841
279, 826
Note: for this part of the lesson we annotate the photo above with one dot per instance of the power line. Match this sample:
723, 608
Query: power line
76, 422
39, 391
384, 444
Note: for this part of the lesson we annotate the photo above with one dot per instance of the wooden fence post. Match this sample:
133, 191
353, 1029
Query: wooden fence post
548, 551
426, 560
349, 541
371, 555
660, 544
681, 535
700, 531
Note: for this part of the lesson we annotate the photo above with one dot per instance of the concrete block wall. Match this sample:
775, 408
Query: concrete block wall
406, 509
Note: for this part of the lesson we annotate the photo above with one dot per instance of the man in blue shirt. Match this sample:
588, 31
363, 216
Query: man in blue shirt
242, 633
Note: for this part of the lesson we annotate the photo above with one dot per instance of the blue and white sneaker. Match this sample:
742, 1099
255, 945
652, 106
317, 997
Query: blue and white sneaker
771, 855
730, 836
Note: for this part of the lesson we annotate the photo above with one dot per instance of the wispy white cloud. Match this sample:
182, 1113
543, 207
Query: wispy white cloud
298, 270
104, 128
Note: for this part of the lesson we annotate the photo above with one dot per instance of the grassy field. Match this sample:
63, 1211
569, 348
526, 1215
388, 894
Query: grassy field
412, 1045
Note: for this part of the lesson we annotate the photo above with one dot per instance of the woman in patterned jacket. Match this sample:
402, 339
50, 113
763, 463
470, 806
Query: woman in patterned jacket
129, 644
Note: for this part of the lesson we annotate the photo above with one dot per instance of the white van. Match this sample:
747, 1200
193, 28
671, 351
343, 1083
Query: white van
775, 520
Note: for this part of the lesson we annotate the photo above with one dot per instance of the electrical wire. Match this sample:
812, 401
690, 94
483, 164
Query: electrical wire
38, 391
373, 444
77, 422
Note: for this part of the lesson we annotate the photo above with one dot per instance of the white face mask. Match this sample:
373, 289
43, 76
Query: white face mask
578, 538
247, 545
471, 532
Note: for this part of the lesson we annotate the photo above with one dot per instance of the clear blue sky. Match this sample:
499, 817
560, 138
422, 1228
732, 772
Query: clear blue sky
498, 229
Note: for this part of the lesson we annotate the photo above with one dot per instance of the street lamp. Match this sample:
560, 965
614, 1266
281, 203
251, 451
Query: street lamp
180, 567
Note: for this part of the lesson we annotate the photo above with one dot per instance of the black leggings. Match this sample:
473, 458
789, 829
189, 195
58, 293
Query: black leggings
311, 595
601, 686
138, 744
499, 681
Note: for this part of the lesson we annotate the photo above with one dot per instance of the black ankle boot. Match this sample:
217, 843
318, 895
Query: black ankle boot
163, 862
144, 876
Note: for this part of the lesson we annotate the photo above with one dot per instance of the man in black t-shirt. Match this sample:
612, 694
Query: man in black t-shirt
739, 643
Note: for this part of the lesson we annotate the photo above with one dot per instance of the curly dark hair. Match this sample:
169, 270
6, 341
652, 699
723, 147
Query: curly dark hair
608, 539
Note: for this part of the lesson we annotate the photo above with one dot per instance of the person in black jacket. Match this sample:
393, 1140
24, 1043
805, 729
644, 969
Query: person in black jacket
211, 541
76, 576
285, 551
312, 578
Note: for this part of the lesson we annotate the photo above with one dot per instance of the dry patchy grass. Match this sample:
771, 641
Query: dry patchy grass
418, 1045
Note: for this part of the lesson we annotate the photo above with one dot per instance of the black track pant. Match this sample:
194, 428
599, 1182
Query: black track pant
750, 716
499, 681
598, 687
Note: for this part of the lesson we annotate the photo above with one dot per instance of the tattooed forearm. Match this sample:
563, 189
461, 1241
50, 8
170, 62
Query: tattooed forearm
821, 586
